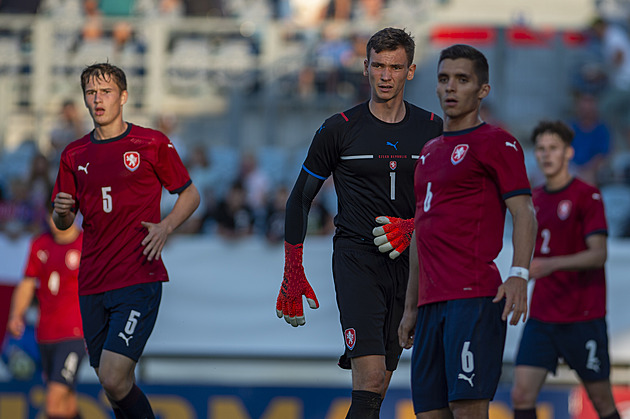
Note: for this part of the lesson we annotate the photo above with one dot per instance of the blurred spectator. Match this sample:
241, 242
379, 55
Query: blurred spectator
257, 186
202, 175
69, 127
276, 210
591, 141
39, 186
17, 215
615, 102
234, 218
320, 220
167, 123
334, 56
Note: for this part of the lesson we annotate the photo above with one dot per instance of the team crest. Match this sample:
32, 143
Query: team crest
350, 336
131, 160
73, 257
564, 209
393, 164
459, 153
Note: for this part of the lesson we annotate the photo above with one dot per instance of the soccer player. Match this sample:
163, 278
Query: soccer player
456, 301
51, 275
370, 150
568, 306
114, 175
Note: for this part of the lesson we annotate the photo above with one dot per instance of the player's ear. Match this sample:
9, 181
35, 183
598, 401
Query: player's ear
411, 72
484, 91
570, 152
123, 97
365, 67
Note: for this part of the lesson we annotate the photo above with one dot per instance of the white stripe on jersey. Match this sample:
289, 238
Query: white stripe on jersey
357, 157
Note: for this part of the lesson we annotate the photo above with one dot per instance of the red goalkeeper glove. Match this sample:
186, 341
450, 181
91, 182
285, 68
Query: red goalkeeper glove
394, 235
294, 286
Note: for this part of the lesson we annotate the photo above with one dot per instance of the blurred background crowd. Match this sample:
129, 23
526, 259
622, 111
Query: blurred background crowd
240, 86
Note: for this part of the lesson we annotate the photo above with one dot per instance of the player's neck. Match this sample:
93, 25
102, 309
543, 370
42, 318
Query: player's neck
558, 181
388, 111
113, 130
462, 122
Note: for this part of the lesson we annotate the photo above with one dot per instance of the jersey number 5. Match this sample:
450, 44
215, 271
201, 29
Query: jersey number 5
107, 199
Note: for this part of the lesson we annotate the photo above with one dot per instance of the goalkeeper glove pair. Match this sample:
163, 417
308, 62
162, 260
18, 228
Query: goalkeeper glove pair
394, 237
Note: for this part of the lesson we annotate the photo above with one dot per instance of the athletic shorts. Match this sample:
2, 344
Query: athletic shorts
61, 361
583, 346
457, 352
370, 291
120, 320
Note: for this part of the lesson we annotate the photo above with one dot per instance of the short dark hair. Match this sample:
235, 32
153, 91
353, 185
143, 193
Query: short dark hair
479, 60
105, 71
389, 39
553, 127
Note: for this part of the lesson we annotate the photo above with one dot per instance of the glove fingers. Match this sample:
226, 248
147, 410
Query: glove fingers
383, 219
394, 254
385, 247
380, 240
378, 231
312, 303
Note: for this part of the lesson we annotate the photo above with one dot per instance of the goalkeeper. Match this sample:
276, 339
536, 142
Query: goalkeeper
371, 151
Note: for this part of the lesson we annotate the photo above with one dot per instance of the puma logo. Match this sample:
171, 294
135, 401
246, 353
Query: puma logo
513, 145
171, 145
463, 377
84, 168
125, 338
394, 145
424, 156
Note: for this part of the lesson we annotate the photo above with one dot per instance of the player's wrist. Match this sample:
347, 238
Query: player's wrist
519, 272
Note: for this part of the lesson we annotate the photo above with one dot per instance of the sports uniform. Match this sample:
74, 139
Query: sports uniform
55, 266
461, 182
117, 184
572, 327
372, 166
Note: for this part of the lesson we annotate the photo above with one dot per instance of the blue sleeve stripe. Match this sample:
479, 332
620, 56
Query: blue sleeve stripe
517, 192
313, 174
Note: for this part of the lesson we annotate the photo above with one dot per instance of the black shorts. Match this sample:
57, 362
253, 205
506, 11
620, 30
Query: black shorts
370, 291
61, 361
120, 320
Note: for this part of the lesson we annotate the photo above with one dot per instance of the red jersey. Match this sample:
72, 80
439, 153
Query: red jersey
55, 266
565, 219
461, 181
117, 184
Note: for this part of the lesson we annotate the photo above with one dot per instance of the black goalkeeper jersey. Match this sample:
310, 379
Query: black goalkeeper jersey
372, 163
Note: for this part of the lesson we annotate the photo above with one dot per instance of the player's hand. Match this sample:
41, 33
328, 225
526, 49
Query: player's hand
154, 241
514, 289
16, 326
394, 236
294, 286
407, 328
63, 203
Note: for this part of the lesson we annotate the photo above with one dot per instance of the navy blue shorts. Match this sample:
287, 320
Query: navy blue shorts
61, 361
457, 352
120, 320
370, 290
583, 346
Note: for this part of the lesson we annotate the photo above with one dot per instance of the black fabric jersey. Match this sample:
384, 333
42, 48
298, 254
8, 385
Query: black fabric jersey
372, 163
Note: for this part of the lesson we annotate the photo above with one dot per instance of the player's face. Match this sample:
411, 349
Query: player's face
104, 101
387, 72
459, 90
552, 154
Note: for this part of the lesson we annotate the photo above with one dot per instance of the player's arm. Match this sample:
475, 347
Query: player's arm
20, 302
593, 257
186, 203
294, 282
63, 214
514, 289
407, 325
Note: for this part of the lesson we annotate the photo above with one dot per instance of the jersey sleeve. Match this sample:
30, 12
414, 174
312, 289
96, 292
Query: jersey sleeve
593, 217
66, 180
170, 169
506, 162
323, 153
32, 268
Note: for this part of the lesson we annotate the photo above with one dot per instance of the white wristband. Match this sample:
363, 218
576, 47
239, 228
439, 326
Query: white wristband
519, 272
